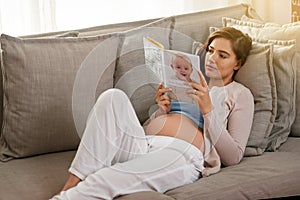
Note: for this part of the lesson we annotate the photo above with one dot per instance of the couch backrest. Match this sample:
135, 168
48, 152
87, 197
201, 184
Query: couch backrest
195, 26
32, 57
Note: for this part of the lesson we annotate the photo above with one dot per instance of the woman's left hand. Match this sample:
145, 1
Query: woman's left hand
200, 93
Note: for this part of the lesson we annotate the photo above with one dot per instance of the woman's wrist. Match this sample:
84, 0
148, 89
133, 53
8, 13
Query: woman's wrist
207, 109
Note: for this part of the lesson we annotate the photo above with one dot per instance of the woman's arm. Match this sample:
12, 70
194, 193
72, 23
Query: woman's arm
163, 101
229, 131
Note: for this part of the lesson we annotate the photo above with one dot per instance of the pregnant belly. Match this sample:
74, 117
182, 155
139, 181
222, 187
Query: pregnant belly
176, 125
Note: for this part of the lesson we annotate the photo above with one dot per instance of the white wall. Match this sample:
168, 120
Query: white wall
70, 14
278, 11
19, 17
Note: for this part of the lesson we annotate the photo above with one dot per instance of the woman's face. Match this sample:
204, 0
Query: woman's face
220, 61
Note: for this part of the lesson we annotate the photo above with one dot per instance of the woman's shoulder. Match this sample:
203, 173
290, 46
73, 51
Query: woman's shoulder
232, 91
237, 89
238, 85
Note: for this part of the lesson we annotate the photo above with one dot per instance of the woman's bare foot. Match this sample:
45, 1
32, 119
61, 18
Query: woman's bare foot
71, 182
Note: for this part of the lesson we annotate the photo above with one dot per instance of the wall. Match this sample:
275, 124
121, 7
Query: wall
278, 11
295, 10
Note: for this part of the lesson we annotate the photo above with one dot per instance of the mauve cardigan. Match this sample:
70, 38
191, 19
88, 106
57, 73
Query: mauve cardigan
227, 127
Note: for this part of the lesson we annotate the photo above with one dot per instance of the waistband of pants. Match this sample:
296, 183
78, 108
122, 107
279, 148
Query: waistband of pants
160, 142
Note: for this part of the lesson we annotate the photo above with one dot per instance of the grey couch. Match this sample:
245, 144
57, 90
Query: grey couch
50, 82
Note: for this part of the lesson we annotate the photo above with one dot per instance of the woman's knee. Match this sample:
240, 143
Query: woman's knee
110, 97
112, 94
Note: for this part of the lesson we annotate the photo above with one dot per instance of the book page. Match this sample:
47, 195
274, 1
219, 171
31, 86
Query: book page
153, 56
178, 68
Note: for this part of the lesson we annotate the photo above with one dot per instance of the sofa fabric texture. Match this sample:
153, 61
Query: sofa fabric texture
259, 177
50, 81
38, 80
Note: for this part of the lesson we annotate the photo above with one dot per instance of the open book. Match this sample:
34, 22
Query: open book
174, 68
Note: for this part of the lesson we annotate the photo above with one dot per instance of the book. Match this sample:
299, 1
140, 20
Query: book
174, 68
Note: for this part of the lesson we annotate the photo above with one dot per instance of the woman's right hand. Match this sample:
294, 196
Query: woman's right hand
162, 99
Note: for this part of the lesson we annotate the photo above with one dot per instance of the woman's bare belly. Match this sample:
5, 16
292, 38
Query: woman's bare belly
176, 125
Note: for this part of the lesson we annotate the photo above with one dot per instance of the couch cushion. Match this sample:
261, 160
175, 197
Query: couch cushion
257, 74
38, 177
112, 28
53, 34
261, 177
271, 31
39, 77
41, 177
271, 175
291, 145
285, 79
131, 73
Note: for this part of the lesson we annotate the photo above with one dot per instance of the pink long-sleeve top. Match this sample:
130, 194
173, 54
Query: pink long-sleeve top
227, 127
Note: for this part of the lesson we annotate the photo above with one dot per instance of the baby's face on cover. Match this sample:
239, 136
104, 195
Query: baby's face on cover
182, 68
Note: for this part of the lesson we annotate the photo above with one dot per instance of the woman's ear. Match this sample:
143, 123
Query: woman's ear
238, 65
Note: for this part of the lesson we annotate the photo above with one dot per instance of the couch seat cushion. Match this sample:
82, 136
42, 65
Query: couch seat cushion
41, 177
291, 145
38, 177
271, 175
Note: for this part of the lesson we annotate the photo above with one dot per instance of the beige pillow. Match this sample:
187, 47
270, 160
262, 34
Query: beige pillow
53, 35
44, 35
257, 75
38, 79
131, 75
271, 31
285, 78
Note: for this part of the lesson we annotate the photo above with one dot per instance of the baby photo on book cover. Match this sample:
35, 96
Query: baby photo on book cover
174, 68
179, 68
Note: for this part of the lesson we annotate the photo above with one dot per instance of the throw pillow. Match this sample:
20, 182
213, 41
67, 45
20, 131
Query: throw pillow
257, 74
271, 31
131, 74
46, 35
38, 88
53, 35
285, 79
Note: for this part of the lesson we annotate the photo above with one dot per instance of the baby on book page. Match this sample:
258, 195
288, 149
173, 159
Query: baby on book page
181, 70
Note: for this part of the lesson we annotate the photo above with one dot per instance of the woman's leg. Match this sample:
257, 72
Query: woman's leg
113, 134
170, 163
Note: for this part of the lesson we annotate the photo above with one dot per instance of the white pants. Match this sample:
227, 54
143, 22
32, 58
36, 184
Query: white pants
116, 158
